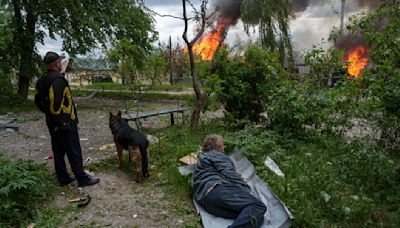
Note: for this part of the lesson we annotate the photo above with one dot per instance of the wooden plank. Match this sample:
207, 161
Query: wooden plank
190, 159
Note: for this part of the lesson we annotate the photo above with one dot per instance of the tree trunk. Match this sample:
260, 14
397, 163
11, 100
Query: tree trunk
123, 67
200, 94
24, 37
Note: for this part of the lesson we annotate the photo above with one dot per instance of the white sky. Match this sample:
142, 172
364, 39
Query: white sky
309, 27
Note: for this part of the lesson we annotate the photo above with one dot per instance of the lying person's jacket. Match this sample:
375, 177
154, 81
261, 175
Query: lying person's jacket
214, 167
60, 108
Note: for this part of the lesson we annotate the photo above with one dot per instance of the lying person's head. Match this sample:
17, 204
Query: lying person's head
213, 142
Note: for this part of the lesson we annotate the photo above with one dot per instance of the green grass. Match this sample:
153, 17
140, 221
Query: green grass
156, 87
362, 182
16, 106
128, 95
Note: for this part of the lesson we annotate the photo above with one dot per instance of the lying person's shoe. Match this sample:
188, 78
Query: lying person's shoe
71, 179
92, 181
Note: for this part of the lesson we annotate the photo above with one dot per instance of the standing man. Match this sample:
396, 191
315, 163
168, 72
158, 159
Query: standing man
221, 190
53, 97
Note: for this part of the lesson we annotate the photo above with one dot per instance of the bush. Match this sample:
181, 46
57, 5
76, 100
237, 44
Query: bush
246, 82
23, 184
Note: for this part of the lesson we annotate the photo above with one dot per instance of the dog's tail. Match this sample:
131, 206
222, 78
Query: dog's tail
145, 159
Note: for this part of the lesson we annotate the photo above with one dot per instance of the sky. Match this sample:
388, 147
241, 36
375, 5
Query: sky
310, 26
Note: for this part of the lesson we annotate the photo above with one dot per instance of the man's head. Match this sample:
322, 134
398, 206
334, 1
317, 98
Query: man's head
53, 61
214, 142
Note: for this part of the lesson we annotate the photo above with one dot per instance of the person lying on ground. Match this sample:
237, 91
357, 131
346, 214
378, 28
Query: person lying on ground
222, 191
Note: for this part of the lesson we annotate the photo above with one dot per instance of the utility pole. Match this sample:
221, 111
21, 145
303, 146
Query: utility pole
171, 77
342, 17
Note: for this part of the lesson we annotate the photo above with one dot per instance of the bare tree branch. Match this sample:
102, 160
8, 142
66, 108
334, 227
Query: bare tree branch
194, 8
161, 15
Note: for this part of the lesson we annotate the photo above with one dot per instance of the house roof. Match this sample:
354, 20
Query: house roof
92, 64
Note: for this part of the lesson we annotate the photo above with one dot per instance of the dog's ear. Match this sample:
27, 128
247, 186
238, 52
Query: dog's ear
111, 115
119, 113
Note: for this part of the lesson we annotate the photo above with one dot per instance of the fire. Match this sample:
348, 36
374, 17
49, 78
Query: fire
358, 60
207, 45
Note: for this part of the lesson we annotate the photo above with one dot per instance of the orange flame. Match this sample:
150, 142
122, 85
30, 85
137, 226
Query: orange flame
207, 45
358, 60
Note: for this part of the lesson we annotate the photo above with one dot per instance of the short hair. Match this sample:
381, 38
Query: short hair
212, 142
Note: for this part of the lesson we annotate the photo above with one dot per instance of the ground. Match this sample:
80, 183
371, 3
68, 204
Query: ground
117, 201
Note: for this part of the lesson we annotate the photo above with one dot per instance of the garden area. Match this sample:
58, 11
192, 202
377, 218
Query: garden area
333, 130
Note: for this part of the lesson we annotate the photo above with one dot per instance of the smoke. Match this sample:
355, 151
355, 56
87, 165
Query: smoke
299, 6
228, 11
349, 41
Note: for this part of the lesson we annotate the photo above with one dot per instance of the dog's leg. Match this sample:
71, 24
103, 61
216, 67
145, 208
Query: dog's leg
120, 159
136, 161
148, 161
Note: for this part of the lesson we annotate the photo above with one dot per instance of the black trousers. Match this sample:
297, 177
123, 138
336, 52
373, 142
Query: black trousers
67, 143
233, 202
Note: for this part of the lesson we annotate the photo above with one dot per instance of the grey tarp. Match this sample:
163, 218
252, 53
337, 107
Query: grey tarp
277, 214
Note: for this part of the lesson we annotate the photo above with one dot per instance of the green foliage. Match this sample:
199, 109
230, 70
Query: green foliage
273, 19
361, 183
155, 66
22, 185
246, 82
82, 25
383, 83
324, 65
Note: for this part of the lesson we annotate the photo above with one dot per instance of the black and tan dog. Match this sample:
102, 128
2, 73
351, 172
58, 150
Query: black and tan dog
132, 140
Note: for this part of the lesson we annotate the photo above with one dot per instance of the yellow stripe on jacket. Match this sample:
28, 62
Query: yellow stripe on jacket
66, 109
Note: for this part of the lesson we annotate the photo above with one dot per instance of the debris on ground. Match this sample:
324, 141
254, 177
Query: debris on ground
107, 147
82, 201
271, 165
190, 159
7, 124
152, 139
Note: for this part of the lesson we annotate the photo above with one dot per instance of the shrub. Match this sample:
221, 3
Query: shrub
22, 185
246, 83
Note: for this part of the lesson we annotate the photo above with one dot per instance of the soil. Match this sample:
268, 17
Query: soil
116, 201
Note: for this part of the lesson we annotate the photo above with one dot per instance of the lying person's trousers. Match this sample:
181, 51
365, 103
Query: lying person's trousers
233, 202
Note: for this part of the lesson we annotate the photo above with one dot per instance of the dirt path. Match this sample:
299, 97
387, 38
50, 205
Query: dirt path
116, 201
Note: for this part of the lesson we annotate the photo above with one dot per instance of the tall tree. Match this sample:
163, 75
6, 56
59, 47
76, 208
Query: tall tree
201, 95
272, 17
81, 24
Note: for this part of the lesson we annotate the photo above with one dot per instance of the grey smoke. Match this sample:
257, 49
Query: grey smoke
228, 10
299, 6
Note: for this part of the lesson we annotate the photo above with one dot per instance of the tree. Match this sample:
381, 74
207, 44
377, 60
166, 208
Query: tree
201, 95
131, 45
273, 18
156, 65
81, 24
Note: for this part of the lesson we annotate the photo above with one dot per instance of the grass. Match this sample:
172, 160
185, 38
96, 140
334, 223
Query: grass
154, 87
128, 95
16, 106
329, 182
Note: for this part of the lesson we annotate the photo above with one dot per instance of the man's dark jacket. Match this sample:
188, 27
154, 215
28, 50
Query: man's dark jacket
214, 167
59, 106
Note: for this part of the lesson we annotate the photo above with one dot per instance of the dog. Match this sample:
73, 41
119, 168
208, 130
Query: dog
125, 137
